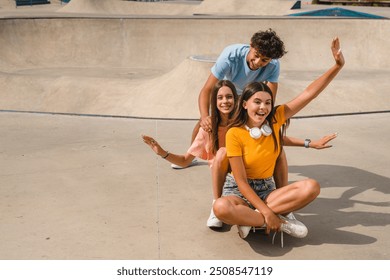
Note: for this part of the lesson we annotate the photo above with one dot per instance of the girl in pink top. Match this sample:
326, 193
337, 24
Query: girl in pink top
205, 145
208, 146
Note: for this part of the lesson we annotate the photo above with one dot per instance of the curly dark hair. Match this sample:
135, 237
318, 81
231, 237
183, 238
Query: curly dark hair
268, 44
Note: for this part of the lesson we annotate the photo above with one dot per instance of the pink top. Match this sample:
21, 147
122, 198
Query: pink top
201, 147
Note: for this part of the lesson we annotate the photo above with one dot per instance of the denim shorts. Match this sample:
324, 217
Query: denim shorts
262, 187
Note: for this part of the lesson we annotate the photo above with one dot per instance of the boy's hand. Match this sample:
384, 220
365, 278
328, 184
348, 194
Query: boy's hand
205, 123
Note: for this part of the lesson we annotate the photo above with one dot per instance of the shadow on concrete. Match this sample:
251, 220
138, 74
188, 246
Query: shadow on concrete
225, 228
328, 218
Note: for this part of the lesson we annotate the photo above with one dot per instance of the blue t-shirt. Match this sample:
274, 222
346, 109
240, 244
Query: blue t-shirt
231, 65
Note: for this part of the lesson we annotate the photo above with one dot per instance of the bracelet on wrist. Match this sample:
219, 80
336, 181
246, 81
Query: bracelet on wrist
164, 157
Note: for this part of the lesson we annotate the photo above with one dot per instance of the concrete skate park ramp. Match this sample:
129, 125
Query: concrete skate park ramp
128, 7
140, 67
205, 7
244, 7
6, 4
76, 187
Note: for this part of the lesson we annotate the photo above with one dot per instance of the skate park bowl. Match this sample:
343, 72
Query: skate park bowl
81, 81
70, 62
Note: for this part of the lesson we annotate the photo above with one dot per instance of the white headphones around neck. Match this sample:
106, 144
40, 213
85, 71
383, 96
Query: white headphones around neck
256, 132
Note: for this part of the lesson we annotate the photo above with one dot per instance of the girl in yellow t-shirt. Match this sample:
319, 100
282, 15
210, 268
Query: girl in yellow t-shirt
210, 146
249, 196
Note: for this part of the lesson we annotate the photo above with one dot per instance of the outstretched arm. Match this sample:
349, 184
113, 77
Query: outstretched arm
316, 87
181, 160
315, 144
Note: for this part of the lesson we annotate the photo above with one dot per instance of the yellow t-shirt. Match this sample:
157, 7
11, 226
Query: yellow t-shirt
259, 155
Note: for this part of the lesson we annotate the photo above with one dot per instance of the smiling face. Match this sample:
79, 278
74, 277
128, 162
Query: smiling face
225, 100
258, 107
256, 60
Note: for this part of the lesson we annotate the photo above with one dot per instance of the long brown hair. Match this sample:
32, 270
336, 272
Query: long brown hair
216, 115
240, 117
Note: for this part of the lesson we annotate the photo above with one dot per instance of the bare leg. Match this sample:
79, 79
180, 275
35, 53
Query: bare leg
195, 131
293, 197
218, 174
281, 170
219, 171
233, 210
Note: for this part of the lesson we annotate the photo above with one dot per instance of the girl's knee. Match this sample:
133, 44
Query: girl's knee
221, 153
220, 160
220, 156
221, 208
313, 188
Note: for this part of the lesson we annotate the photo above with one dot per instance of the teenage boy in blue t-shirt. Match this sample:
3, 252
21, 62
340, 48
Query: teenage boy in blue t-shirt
243, 64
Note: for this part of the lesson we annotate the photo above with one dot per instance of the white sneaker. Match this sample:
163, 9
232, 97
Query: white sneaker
243, 231
291, 216
175, 166
293, 227
213, 221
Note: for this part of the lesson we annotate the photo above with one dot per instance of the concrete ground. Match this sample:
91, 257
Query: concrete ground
77, 182
88, 188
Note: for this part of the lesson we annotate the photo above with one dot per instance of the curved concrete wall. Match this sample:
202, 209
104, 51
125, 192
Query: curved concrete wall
165, 42
139, 66
210, 7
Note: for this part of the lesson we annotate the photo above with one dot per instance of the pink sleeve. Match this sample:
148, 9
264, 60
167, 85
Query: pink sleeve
200, 146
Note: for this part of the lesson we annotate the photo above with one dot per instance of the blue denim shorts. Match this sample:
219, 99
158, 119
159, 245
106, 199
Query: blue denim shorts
262, 187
